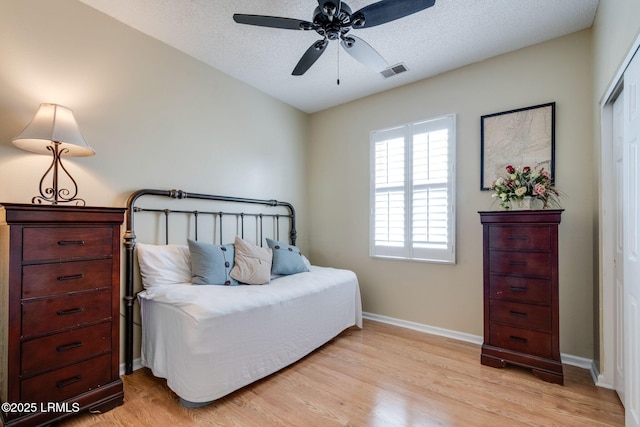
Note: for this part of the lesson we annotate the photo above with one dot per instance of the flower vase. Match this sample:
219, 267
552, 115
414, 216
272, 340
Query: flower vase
523, 204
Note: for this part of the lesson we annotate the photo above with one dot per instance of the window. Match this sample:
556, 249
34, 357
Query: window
413, 191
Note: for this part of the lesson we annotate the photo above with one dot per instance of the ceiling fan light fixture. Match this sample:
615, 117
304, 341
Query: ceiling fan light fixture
333, 33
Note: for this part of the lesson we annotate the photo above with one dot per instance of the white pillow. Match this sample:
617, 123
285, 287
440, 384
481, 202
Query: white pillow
162, 265
252, 263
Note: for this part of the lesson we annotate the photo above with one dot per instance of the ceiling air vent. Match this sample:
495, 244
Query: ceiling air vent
393, 70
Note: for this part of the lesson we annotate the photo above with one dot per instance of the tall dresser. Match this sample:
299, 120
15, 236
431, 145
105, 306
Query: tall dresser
521, 311
59, 311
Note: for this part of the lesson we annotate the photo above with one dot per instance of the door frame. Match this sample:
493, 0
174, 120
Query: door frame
604, 374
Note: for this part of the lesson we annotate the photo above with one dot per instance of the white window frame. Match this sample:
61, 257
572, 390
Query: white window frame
406, 250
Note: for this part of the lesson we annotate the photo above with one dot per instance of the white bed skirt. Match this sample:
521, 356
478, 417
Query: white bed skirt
209, 341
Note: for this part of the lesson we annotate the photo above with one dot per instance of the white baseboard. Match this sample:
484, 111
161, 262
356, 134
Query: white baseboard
601, 380
137, 364
580, 362
420, 327
568, 359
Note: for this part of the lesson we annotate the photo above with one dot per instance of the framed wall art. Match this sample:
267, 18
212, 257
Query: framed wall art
522, 137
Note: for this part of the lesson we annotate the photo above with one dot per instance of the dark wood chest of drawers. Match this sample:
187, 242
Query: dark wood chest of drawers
521, 311
59, 311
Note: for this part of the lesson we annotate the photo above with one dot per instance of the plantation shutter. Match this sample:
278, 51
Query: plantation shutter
412, 191
390, 179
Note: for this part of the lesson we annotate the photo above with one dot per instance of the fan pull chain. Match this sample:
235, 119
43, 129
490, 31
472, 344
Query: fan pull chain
338, 71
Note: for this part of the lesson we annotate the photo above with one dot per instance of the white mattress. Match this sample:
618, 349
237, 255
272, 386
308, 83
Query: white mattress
208, 341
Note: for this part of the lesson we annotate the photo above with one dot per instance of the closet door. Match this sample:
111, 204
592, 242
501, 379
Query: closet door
631, 209
618, 260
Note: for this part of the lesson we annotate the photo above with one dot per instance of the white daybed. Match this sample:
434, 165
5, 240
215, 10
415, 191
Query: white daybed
210, 340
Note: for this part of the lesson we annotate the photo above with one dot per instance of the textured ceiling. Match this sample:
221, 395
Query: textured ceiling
451, 34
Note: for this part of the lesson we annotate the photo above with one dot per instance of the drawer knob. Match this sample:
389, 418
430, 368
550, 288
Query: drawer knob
70, 242
69, 381
66, 347
522, 263
71, 277
517, 289
517, 237
518, 339
517, 314
70, 311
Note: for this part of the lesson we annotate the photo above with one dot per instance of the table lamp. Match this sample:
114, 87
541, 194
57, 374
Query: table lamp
54, 131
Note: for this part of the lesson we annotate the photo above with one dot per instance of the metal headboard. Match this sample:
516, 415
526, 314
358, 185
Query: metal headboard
130, 239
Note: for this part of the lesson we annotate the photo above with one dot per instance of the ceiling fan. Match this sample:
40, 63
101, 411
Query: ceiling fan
333, 19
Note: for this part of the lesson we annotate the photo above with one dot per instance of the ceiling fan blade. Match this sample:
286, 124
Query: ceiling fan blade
388, 10
273, 22
362, 52
310, 57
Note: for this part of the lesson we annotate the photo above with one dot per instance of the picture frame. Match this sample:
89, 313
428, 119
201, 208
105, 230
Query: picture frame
521, 137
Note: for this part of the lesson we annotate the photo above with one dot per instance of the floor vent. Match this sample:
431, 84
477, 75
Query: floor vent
394, 70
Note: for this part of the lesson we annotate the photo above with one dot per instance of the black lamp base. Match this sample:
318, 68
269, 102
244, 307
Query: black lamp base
54, 194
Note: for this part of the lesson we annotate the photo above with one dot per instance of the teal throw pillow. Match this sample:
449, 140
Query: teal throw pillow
287, 259
211, 264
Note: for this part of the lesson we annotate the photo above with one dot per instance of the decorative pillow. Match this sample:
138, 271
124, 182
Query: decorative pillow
252, 263
211, 264
162, 265
287, 259
306, 261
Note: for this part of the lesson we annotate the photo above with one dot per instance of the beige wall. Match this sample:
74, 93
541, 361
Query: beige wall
614, 32
156, 117
448, 296
615, 29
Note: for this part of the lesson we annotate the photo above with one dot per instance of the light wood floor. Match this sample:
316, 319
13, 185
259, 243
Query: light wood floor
381, 375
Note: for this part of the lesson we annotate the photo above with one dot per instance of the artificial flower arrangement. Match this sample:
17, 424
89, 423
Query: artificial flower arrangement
525, 182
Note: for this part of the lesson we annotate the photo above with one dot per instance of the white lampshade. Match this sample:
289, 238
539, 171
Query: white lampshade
53, 123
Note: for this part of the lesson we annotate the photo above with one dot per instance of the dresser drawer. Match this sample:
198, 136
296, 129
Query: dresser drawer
50, 279
520, 263
519, 237
521, 315
521, 340
43, 244
53, 314
65, 348
521, 289
67, 382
